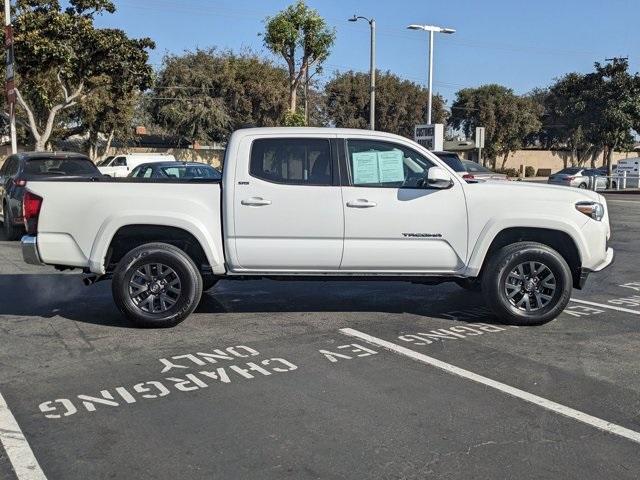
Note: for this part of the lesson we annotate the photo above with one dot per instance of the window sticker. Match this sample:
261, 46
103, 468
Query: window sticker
365, 167
391, 166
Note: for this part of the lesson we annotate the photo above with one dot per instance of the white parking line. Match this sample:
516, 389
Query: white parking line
603, 305
15, 444
516, 392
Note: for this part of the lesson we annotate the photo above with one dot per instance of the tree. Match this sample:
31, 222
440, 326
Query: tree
507, 118
62, 59
612, 98
207, 94
400, 104
301, 36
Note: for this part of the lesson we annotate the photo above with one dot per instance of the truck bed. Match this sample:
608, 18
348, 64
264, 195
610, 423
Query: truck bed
79, 217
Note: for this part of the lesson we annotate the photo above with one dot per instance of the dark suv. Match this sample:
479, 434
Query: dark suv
18, 169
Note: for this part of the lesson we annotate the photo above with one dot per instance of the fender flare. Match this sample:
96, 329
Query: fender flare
113, 223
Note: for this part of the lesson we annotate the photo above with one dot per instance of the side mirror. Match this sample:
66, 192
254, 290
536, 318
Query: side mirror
439, 178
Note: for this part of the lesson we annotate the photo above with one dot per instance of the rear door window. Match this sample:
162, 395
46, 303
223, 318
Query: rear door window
119, 162
293, 161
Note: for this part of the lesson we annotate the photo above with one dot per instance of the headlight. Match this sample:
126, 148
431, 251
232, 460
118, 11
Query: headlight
594, 210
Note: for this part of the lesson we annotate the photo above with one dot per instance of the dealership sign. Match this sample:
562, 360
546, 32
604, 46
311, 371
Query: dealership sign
430, 136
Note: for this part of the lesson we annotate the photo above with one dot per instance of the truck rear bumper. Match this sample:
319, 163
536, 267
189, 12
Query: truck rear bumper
30, 252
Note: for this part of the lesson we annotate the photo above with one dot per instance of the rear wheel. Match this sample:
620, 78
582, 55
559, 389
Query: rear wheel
527, 283
11, 231
156, 285
582, 185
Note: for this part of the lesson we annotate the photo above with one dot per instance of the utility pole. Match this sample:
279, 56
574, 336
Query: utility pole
372, 69
9, 77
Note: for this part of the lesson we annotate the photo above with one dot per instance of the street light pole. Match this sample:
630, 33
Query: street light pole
430, 104
431, 29
372, 69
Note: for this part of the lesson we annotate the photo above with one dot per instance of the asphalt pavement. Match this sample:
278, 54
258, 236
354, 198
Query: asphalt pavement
321, 380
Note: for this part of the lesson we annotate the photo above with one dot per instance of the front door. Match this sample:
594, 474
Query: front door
394, 224
288, 212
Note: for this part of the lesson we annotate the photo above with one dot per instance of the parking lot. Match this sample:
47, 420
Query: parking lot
314, 380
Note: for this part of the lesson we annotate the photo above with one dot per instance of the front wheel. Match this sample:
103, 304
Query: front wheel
527, 283
156, 285
582, 186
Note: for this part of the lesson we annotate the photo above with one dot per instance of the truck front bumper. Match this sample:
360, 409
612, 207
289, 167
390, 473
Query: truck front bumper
30, 252
584, 272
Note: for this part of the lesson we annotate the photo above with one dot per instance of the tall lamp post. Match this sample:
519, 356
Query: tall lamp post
372, 69
431, 29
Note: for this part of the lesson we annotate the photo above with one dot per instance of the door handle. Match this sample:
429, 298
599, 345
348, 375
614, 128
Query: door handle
361, 203
255, 202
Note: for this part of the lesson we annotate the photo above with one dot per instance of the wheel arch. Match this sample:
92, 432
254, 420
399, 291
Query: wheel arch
127, 237
561, 241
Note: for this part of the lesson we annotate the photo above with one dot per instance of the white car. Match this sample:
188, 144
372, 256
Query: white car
122, 165
316, 203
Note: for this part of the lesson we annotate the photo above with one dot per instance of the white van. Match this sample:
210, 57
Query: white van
122, 165
632, 167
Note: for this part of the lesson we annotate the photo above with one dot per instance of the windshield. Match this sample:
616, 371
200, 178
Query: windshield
62, 166
473, 167
452, 160
104, 162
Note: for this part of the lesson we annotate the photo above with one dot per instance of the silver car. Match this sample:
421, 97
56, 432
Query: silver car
482, 173
580, 178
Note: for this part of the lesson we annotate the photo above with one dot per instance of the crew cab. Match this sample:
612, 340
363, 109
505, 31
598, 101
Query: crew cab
320, 204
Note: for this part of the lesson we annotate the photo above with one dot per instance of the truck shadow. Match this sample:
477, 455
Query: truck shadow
63, 295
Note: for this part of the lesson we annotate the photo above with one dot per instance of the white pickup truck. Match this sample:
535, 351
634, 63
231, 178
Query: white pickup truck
320, 204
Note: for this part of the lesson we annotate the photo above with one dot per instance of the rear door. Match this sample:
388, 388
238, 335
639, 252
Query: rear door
287, 205
392, 223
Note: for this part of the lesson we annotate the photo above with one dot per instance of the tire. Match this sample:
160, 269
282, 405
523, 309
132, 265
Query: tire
502, 271
470, 284
208, 281
145, 268
583, 186
11, 231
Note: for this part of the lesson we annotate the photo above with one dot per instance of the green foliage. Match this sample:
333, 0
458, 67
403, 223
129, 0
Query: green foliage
509, 172
588, 113
508, 118
293, 119
529, 171
301, 36
400, 104
63, 59
206, 94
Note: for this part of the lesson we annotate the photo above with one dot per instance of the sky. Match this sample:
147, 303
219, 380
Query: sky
517, 43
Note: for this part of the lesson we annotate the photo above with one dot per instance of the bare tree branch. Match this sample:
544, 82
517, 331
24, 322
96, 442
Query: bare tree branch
32, 121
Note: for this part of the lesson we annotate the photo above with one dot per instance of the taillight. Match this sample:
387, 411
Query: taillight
19, 183
31, 204
468, 176
568, 179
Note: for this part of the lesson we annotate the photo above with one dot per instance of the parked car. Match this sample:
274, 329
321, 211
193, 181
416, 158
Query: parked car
176, 170
18, 169
482, 173
321, 203
580, 178
122, 165
454, 162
